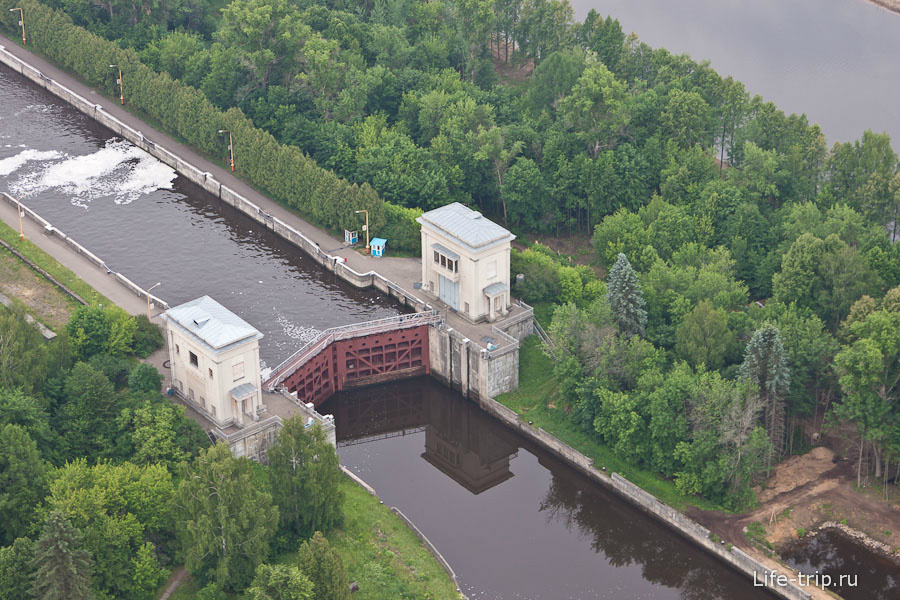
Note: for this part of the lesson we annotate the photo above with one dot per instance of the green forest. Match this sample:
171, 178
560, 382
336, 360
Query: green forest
743, 287
106, 487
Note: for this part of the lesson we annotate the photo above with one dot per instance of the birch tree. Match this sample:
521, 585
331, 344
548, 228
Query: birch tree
225, 520
305, 479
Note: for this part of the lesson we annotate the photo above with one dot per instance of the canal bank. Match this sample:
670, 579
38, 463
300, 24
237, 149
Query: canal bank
490, 350
690, 529
456, 368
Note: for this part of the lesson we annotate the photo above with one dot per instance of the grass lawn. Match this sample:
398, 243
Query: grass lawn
49, 264
379, 552
537, 399
382, 554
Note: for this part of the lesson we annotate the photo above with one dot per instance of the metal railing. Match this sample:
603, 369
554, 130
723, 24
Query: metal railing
324, 338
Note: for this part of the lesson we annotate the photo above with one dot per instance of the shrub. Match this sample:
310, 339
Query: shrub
144, 378
148, 338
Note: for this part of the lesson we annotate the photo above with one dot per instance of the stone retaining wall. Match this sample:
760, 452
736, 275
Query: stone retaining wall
208, 183
96, 260
431, 547
690, 529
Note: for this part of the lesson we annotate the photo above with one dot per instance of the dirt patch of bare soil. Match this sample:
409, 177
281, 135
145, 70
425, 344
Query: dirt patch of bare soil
797, 471
41, 298
892, 5
802, 493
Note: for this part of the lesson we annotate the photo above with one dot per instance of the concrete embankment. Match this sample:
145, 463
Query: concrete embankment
693, 531
95, 261
205, 180
412, 527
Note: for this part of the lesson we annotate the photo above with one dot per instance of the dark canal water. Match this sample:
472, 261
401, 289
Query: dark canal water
838, 61
147, 223
514, 522
868, 576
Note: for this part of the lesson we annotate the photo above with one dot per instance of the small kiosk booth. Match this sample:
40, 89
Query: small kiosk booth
377, 245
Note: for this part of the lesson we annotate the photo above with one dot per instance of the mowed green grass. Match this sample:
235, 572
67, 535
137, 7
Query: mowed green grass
537, 400
379, 552
382, 554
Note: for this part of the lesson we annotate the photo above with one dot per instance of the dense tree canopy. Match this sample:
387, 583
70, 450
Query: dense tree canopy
225, 521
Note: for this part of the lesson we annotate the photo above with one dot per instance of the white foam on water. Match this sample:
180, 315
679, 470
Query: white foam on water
118, 170
146, 176
14, 163
294, 331
33, 108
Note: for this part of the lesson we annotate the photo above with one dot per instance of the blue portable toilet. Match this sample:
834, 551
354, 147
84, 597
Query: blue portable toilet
377, 245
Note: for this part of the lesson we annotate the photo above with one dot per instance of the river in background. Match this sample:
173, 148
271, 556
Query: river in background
515, 522
838, 61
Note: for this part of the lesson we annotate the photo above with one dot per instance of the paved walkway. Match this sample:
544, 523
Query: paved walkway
85, 269
405, 272
392, 268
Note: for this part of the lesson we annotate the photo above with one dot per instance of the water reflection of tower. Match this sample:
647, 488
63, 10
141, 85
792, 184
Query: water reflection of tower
462, 443
460, 440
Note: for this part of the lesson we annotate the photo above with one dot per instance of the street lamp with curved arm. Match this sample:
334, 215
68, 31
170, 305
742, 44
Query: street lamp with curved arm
148, 298
21, 21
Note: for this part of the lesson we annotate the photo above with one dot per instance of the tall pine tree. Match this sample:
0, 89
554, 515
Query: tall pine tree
766, 366
62, 566
625, 298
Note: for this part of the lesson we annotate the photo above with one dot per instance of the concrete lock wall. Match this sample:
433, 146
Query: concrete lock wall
690, 529
463, 365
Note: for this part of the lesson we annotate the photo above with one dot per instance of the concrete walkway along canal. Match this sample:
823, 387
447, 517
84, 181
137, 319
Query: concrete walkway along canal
538, 530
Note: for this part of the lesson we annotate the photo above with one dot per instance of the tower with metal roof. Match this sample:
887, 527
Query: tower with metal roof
214, 356
465, 261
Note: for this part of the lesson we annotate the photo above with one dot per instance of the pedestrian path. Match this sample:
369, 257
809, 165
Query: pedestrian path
404, 272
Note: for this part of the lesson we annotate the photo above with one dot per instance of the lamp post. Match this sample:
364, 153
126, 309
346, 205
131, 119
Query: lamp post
367, 227
148, 298
21, 21
230, 146
121, 83
21, 230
